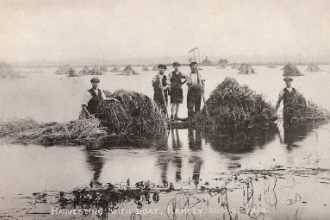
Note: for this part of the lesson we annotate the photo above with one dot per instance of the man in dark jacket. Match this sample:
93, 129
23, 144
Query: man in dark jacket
93, 99
161, 84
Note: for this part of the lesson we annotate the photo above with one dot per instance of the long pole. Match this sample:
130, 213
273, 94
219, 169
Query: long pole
206, 109
161, 87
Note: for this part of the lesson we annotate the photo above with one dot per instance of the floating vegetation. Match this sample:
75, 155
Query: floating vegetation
234, 108
30, 132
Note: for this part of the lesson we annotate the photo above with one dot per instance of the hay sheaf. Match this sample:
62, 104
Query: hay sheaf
8, 72
291, 70
116, 69
312, 67
246, 69
303, 111
134, 113
28, 131
234, 108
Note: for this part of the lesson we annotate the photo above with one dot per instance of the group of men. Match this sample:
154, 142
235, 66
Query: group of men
171, 85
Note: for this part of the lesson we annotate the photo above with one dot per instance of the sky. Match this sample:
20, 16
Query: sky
58, 31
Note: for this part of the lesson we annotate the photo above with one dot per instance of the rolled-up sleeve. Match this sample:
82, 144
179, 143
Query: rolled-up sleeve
86, 97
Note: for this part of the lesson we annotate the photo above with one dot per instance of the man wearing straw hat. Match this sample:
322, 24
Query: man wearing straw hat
93, 99
195, 89
287, 95
161, 84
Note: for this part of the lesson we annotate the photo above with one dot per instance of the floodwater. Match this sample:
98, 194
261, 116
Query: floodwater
188, 158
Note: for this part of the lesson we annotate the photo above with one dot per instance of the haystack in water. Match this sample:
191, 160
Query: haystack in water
134, 113
246, 69
312, 67
96, 70
103, 68
8, 72
303, 111
271, 65
116, 69
234, 108
129, 71
291, 70
206, 62
72, 73
64, 69
84, 71
145, 68
222, 66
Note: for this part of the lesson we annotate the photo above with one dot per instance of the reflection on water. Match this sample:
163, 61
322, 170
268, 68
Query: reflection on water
96, 161
240, 143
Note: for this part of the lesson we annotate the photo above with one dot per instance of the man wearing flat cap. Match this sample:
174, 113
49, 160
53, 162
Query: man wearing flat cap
161, 84
176, 91
195, 85
287, 95
93, 99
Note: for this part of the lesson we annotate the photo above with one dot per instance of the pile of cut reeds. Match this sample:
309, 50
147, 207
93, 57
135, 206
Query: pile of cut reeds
234, 108
134, 113
28, 131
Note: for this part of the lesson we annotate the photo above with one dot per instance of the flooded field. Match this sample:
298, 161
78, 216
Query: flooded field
282, 175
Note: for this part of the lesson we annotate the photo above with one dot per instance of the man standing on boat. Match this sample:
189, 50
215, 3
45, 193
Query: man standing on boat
161, 84
176, 91
93, 99
291, 99
195, 90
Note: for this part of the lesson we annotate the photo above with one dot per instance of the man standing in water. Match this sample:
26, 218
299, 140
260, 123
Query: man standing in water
93, 99
161, 84
176, 89
195, 89
287, 95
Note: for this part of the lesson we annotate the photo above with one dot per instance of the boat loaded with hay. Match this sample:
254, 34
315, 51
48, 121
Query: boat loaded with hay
312, 67
8, 72
134, 119
291, 70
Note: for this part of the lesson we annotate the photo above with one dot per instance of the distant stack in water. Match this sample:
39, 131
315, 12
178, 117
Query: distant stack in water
84, 71
103, 68
271, 65
291, 70
145, 68
312, 67
206, 62
66, 69
8, 72
96, 70
129, 71
115, 69
234, 109
246, 69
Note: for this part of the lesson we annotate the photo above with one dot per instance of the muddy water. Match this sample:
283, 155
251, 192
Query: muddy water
188, 158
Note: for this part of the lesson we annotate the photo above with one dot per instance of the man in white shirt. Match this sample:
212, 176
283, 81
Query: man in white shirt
287, 95
195, 89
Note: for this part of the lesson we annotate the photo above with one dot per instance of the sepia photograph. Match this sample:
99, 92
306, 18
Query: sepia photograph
164, 109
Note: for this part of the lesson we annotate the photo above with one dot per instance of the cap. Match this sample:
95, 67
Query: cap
288, 79
95, 79
162, 66
176, 64
192, 63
